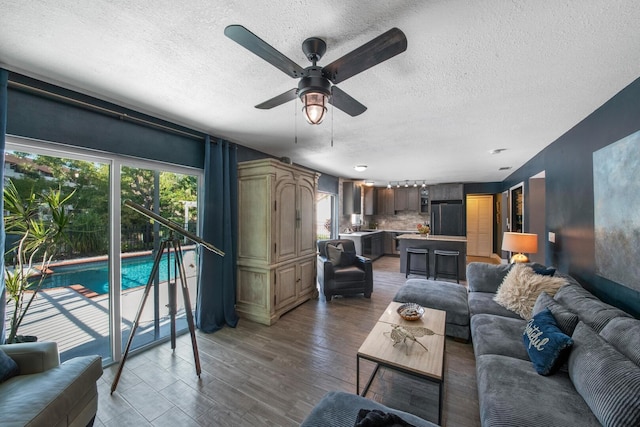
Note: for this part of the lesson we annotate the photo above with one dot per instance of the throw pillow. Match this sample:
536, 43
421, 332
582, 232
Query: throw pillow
8, 367
521, 287
544, 271
566, 319
377, 418
607, 380
347, 258
545, 342
334, 254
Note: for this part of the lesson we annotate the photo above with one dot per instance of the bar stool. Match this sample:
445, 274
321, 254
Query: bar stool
417, 251
442, 253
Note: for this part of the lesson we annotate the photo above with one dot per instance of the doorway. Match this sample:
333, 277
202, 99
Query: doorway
480, 225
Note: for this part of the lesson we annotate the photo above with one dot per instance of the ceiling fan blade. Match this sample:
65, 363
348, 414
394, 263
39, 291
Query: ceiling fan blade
340, 99
380, 49
255, 44
279, 100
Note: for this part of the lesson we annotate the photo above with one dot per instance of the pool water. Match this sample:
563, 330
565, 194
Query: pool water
95, 275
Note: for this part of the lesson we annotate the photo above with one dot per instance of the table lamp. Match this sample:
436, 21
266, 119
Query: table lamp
520, 243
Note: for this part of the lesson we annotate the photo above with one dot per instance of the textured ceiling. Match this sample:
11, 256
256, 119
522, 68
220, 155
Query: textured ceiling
476, 76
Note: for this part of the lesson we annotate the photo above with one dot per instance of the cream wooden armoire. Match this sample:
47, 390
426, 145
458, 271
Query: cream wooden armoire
276, 238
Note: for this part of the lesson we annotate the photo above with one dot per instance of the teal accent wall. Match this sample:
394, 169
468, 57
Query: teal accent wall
568, 167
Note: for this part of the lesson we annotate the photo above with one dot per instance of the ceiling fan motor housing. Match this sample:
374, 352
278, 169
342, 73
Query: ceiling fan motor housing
313, 81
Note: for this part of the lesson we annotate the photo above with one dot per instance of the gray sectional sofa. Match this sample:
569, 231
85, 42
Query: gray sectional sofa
599, 383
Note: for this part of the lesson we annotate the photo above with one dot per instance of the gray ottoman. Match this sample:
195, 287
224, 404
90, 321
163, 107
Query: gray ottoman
447, 296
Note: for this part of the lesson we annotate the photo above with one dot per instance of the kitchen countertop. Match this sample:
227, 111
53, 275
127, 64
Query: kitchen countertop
361, 233
433, 237
364, 233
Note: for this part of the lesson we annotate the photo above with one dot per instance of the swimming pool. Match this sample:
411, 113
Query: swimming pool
95, 275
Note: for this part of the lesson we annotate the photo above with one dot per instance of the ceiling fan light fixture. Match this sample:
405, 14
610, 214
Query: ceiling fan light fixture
315, 107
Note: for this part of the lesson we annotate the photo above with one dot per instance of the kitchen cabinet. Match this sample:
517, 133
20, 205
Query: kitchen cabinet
370, 201
444, 192
386, 201
390, 243
373, 245
351, 194
424, 202
276, 238
407, 199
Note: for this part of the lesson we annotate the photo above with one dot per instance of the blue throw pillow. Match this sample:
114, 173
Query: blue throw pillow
545, 342
8, 367
544, 271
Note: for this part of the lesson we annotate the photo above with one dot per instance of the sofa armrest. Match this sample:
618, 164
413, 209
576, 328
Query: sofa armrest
365, 264
33, 357
325, 269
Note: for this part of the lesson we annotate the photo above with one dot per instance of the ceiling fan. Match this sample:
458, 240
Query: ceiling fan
317, 84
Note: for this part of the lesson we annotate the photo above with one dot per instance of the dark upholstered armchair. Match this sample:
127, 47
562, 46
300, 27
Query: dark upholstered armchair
341, 271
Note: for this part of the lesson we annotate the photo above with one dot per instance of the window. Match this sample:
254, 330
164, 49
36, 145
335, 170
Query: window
325, 216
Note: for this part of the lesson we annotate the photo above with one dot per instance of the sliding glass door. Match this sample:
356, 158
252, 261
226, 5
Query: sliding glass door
174, 197
93, 288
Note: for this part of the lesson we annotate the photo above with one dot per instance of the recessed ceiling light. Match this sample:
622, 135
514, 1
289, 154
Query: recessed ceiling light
504, 168
360, 168
497, 150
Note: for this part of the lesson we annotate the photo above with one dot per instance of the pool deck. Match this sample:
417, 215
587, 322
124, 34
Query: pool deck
80, 323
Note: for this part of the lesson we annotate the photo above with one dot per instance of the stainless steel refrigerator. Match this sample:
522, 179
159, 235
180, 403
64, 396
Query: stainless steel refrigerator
447, 218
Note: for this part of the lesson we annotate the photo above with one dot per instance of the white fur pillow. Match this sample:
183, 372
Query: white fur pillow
521, 287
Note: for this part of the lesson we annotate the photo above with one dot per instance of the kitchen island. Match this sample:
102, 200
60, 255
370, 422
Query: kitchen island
432, 242
369, 244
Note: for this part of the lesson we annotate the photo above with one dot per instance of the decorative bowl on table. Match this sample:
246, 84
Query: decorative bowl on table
411, 311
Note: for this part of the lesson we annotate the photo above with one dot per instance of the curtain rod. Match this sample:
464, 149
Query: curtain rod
103, 110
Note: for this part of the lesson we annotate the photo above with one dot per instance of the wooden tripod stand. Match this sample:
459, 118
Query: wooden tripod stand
166, 245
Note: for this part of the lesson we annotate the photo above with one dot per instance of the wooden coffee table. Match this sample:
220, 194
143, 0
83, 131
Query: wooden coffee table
408, 357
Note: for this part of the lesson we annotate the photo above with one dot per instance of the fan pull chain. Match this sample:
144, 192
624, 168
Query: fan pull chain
295, 122
332, 124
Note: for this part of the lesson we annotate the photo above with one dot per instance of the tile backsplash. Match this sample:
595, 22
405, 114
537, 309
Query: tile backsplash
400, 221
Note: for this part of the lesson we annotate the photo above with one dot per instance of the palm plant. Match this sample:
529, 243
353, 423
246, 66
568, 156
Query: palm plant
39, 238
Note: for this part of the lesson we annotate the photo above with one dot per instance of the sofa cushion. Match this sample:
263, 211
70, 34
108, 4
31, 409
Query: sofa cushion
545, 342
340, 409
595, 313
511, 393
565, 318
624, 334
485, 277
447, 296
498, 335
440, 295
605, 378
8, 367
483, 303
521, 287
348, 274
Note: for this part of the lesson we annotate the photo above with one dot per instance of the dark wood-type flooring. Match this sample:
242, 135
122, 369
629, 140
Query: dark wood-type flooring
255, 375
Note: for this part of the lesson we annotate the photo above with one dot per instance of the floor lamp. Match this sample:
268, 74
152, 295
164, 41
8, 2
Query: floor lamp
520, 243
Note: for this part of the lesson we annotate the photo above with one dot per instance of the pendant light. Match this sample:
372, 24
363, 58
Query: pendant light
314, 107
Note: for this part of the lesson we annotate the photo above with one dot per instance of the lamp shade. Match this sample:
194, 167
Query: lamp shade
520, 243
